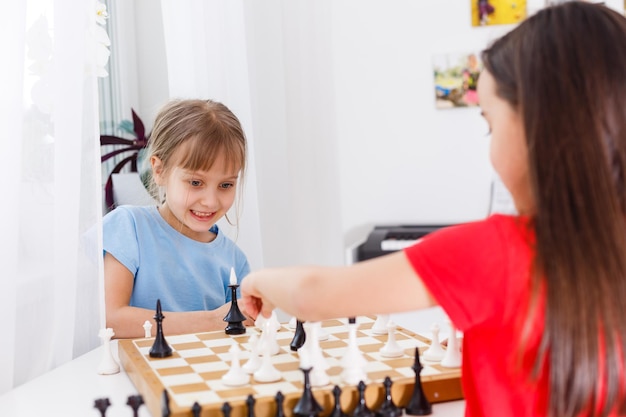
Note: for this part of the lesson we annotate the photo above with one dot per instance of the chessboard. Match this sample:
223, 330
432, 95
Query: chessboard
193, 372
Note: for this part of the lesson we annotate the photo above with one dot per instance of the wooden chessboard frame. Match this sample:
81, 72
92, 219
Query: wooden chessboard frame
438, 387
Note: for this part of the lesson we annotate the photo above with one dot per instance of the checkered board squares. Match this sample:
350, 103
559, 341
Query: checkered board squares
193, 373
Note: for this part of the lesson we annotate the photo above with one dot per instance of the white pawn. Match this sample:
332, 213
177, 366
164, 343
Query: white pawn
267, 372
292, 323
380, 325
435, 352
391, 349
235, 376
107, 366
353, 362
452, 358
147, 329
254, 361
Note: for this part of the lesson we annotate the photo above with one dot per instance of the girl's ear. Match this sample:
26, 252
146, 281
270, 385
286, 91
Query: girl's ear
157, 170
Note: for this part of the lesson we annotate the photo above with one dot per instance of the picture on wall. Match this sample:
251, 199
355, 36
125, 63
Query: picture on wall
497, 12
455, 77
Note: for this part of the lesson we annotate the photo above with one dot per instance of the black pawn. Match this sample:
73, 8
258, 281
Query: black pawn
226, 409
160, 348
418, 404
102, 404
299, 337
307, 406
165, 404
196, 409
388, 408
337, 412
280, 400
235, 317
361, 409
135, 401
250, 403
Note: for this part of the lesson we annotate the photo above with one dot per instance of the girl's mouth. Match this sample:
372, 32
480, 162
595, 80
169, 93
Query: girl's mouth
202, 215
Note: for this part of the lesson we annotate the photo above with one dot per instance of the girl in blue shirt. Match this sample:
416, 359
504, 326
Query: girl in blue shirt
174, 251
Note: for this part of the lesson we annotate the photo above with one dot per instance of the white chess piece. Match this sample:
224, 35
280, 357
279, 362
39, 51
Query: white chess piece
435, 352
380, 325
353, 362
452, 358
147, 329
317, 376
254, 361
267, 372
312, 350
292, 323
391, 349
268, 338
235, 376
107, 365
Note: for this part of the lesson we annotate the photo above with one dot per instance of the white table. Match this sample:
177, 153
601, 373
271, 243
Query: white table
71, 389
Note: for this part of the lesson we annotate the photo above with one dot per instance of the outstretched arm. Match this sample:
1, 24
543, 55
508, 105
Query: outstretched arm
127, 321
387, 284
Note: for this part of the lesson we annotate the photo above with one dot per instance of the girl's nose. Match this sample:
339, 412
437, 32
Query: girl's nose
209, 198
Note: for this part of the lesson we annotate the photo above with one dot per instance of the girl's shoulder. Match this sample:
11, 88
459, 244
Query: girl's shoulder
131, 214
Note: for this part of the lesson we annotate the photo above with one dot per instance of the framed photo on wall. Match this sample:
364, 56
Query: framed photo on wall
497, 12
455, 78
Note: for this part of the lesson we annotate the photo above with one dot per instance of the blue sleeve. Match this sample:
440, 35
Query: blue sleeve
119, 238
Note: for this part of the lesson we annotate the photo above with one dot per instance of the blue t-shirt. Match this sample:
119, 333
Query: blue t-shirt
186, 275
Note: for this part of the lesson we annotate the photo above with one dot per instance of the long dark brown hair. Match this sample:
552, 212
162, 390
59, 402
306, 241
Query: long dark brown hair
564, 71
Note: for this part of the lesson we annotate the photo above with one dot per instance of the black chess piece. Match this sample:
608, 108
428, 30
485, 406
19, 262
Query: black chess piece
235, 317
196, 409
307, 406
102, 404
250, 403
165, 404
337, 411
280, 400
160, 348
299, 337
388, 408
135, 401
226, 409
418, 404
361, 409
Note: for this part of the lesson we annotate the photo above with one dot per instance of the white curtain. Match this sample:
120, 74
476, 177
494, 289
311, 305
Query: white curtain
50, 254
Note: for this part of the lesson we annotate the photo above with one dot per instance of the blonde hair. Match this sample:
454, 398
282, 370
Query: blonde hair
203, 130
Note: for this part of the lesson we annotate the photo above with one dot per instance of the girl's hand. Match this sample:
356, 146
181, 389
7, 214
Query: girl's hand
252, 299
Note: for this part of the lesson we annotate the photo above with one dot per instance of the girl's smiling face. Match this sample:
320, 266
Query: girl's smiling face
196, 200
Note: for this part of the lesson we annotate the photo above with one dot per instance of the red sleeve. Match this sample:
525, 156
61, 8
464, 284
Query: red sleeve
468, 270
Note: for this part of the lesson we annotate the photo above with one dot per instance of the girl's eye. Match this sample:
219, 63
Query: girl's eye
195, 183
226, 185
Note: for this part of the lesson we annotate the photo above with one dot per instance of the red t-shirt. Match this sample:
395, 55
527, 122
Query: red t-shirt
480, 274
